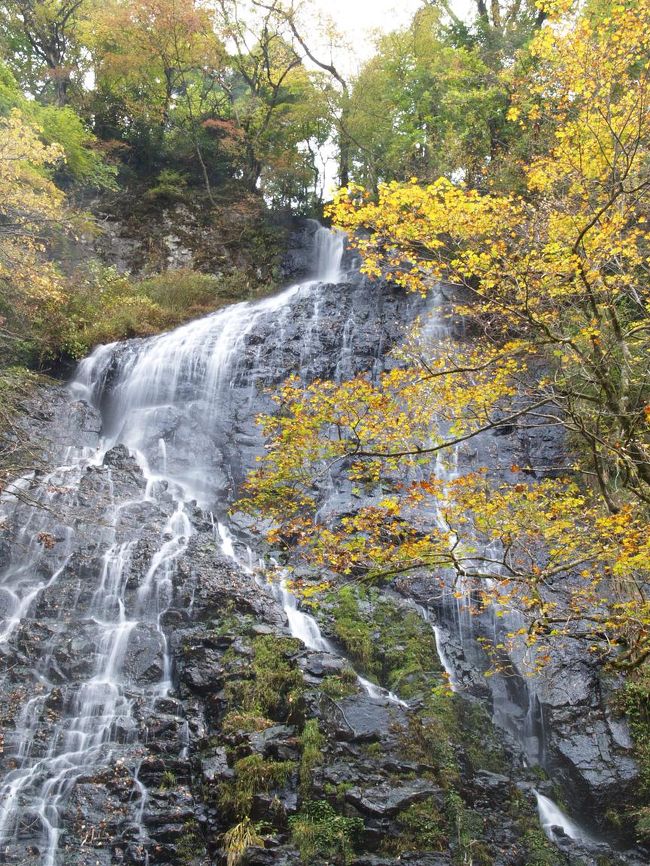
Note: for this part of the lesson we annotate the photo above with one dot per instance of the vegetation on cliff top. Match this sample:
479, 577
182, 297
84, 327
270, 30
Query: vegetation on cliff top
225, 109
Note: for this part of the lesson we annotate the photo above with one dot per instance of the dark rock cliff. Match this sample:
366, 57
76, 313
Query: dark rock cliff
152, 698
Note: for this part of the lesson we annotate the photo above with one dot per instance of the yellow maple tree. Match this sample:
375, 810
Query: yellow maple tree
31, 206
556, 281
566, 266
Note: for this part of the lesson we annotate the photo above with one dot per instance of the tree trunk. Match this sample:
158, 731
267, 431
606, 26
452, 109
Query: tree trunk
344, 146
61, 84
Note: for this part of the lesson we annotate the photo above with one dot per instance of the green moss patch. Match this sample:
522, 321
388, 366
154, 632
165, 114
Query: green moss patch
319, 832
275, 686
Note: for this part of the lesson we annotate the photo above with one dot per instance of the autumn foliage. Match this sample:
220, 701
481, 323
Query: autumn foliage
553, 285
30, 204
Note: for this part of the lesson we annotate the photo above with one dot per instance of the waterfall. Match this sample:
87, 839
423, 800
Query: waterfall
183, 404
447, 666
169, 400
175, 387
304, 627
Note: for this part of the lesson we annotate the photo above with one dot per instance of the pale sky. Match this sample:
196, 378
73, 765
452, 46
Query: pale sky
358, 19
361, 19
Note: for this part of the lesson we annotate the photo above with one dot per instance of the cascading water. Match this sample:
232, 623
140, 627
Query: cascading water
553, 818
301, 625
448, 668
97, 720
184, 403
176, 387
306, 629
156, 397
329, 251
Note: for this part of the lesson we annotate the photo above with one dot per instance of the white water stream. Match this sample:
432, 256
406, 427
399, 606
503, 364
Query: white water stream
98, 715
552, 818
302, 625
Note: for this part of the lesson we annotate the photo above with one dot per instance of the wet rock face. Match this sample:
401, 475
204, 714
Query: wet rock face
298, 260
155, 682
588, 742
564, 717
131, 799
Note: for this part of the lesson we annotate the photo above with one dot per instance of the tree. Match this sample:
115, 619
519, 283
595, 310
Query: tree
499, 28
29, 204
273, 98
299, 16
567, 265
559, 276
42, 41
154, 69
424, 107
148, 50
83, 164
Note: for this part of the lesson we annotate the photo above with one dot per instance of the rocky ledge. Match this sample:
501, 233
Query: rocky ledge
260, 748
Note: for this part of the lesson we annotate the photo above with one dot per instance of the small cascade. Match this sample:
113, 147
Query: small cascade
517, 711
380, 693
556, 824
228, 543
345, 365
24, 579
100, 711
301, 625
330, 248
448, 668
533, 735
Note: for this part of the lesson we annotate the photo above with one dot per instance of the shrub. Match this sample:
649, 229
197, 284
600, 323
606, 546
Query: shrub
277, 684
171, 186
246, 722
239, 839
427, 739
312, 742
634, 701
318, 831
182, 291
253, 775
539, 850
340, 685
16, 383
467, 828
168, 781
408, 649
104, 306
352, 629
190, 847
423, 827
122, 318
